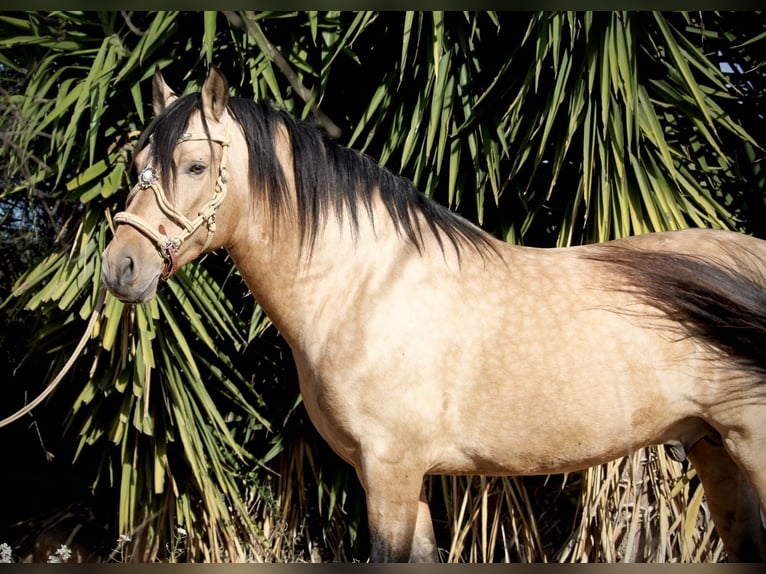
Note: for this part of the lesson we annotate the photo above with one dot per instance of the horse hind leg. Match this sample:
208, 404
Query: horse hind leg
733, 502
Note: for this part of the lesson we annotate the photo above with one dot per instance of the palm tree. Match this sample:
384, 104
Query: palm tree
552, 128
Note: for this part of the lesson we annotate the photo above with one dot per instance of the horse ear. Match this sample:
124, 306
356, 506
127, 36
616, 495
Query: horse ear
215, 94
162, 95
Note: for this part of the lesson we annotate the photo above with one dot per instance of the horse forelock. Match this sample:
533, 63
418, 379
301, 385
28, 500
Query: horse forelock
163, 134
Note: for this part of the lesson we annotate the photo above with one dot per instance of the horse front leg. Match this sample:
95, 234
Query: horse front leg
394, 512
424, 542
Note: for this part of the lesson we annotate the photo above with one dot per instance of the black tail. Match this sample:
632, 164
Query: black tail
710, 300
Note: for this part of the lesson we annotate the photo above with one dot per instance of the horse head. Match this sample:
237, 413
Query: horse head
174, 212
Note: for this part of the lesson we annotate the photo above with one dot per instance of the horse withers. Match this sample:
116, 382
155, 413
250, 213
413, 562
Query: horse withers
425, 346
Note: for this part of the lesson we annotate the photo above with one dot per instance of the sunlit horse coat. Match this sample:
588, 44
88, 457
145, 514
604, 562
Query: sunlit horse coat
424, 345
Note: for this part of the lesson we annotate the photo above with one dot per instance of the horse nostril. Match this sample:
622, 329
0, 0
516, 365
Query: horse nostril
127, 270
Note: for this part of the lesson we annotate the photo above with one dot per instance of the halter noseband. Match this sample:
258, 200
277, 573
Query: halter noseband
168, 246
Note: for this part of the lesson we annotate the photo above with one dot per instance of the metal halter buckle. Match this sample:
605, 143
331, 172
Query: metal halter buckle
147, 177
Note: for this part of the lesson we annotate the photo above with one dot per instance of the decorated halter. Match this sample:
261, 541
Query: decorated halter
167, 246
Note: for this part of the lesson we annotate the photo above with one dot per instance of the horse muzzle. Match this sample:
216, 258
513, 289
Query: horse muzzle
128, 276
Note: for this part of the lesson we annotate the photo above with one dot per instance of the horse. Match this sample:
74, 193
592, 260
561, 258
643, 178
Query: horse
424, 345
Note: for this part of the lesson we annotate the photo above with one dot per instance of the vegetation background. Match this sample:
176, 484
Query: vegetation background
179, 434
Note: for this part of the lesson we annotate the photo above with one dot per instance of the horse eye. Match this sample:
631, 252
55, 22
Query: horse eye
197, 168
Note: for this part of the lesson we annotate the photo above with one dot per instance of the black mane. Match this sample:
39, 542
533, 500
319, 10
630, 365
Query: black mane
327, 176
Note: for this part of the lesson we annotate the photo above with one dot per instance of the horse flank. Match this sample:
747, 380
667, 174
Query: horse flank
329, 179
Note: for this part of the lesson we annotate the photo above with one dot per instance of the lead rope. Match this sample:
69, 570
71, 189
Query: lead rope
167, 246
68, 365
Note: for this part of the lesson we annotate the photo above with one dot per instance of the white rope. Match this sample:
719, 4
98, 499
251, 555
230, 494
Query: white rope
65, 369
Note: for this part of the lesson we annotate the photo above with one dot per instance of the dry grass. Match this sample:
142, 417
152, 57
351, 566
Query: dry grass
643, 508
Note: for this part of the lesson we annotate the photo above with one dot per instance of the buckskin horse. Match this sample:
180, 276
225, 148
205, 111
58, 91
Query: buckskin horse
425, 346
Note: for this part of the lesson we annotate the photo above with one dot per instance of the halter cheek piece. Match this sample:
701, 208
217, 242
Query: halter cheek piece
167, 246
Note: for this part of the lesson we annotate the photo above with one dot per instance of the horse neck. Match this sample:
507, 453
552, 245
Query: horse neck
304, 289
